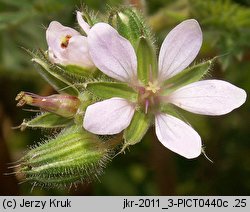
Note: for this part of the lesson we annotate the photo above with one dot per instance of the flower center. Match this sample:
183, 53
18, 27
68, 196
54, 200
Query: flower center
65, 41
148, 96
153, 87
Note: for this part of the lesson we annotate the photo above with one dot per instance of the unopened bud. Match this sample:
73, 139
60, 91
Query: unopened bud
60, 104
130, 24
74, 156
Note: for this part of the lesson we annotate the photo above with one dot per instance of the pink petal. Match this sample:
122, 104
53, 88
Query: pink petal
83, 24
108, 117
77, 52
52, 56
209, 97
179, 48
111, 53
55, 33
177, 136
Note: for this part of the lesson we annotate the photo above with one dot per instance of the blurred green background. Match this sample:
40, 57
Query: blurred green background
148, 168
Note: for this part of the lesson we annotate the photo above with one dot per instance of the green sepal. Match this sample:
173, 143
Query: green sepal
137, 129
106, 90
170, 109
78, 71
86, 100
130, 24
52, 73
54, 79
146, 60
187, 76
46, 120
89, 16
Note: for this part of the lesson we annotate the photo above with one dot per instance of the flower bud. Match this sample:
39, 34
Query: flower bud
60, 104
66, 46
75, 155
129, 24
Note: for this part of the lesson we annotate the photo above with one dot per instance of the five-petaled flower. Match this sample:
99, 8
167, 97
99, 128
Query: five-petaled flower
115, 56
67, 46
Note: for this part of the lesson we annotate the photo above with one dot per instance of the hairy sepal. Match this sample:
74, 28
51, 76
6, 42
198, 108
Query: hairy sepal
130, 24
79, 72
56, 80
146, 61
106, 90
46, 120
137, 129
187, 76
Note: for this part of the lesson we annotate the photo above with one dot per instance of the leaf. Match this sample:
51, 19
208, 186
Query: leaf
108, 90
146, 60
46, 120
137, 129
187, 76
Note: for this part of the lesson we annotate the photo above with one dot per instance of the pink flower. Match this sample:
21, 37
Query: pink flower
67, 46
115, 56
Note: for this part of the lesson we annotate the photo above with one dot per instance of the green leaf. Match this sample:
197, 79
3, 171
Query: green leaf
46, 120
146, 60
56, 80
137, 129
189, 75
106, 90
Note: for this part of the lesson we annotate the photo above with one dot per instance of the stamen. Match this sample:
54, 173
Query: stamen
153, 87
65, 41
24, 98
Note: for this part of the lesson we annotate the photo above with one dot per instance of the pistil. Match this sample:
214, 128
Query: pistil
149, 96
